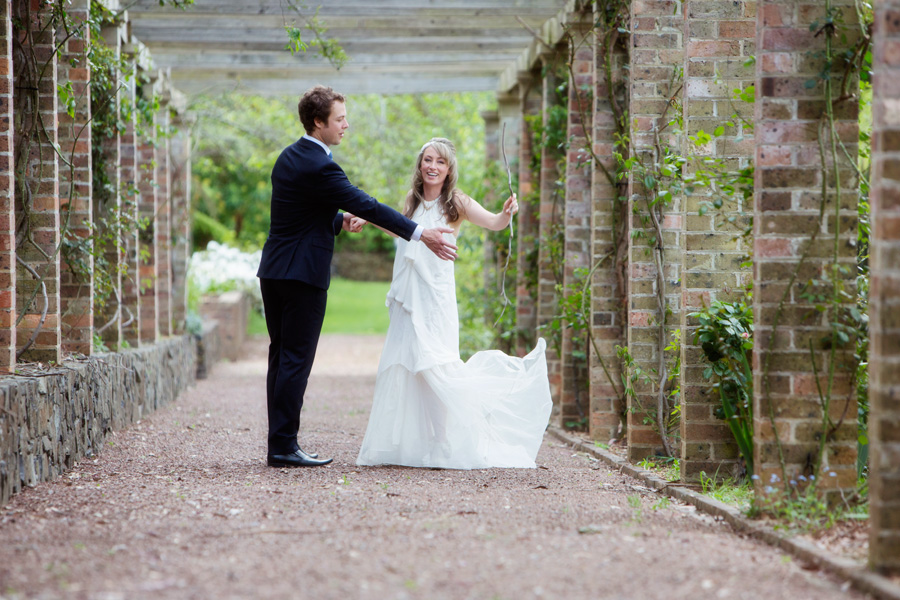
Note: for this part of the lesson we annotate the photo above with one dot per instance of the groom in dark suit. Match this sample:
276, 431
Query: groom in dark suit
308, 189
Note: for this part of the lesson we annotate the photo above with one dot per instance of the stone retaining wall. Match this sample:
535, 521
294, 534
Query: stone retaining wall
48, 422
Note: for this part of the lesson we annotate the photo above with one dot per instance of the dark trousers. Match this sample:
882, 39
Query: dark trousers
294, 315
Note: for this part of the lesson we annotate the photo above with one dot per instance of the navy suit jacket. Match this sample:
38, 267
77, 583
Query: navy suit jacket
308, 188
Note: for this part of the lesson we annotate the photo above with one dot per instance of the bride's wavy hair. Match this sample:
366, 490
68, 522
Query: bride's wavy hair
450, 203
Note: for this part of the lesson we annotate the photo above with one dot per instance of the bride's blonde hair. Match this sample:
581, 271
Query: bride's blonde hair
450, 203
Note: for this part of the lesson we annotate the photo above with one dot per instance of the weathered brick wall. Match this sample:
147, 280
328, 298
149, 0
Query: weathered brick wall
574, 393
231, 311
793, 246
180, 166
550, 210
608, 243
38, 304
130, 182
164, 225
720, 39
7, 201
48, 423
529, 89
148, 239
108, 205
75, 180
657, 56
884, 296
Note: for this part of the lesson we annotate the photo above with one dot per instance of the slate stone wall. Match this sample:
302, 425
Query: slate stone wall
49, 422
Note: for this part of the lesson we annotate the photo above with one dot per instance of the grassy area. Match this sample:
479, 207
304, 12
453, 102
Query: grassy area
353, 307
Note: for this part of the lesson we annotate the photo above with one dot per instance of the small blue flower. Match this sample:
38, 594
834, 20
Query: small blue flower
769, 489
754, 477
793, 482
774, 478
812, 477
832, 474
802, 478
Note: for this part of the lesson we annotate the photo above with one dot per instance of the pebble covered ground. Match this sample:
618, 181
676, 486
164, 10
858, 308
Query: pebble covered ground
182, 505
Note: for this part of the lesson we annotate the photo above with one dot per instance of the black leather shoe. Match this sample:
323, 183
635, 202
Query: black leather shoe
310, 454
297, 458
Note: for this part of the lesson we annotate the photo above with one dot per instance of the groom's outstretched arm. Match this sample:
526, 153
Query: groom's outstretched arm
434, 239
349, 197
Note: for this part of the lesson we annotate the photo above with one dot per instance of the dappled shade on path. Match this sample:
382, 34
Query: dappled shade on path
181, 505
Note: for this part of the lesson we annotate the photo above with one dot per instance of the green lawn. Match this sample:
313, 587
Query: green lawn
353, 307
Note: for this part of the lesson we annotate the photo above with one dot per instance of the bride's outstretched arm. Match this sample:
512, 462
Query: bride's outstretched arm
478, 215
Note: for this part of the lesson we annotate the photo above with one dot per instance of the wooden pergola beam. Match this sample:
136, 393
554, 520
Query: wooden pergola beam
395, 46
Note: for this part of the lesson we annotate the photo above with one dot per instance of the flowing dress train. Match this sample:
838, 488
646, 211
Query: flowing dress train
430, 408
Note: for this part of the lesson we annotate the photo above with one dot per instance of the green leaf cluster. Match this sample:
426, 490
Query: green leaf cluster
725, 335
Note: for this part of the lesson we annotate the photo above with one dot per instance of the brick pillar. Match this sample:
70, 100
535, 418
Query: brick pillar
107, 204
793, 247
163, 225
550, 217
527, 219
130, 178
37, 285
574, 394
721, 37
7, 197
657, 55
148, 238
884, 297
180, 169
489, 273
75, 180
498, 243
608, 241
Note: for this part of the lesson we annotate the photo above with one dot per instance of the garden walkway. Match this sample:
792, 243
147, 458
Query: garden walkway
181, 505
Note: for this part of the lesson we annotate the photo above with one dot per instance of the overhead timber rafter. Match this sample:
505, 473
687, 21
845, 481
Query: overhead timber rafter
395, 46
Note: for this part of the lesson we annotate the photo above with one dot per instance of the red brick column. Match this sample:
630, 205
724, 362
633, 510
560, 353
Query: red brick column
75, 181
7, 198
884, 297
550, 216
608, 243
180, 169
37, 304
163, 228
721, 37
793, 246
129, 199
656, 56
107, 204
574, 396
527, 219
148, 238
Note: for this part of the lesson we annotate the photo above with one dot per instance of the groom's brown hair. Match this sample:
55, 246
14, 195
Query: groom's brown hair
315, 105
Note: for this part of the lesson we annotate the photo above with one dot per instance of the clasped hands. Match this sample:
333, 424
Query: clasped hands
433, 237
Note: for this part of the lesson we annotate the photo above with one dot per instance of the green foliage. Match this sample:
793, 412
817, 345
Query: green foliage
237, 139
356, 307
667, 467
328, 48
725, 335
726, 490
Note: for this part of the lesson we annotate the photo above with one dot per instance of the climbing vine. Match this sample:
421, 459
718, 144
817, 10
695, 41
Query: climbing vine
829, 293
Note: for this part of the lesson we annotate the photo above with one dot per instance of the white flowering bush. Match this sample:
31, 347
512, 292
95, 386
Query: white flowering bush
222, 268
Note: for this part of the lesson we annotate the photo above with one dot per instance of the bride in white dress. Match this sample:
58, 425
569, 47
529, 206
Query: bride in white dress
430, 408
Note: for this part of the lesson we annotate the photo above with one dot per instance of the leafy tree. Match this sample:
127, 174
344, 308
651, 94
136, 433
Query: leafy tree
237, 139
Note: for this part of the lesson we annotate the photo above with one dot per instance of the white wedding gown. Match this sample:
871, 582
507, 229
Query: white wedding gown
433, 410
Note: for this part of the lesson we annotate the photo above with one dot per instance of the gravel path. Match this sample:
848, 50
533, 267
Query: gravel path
181, 505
